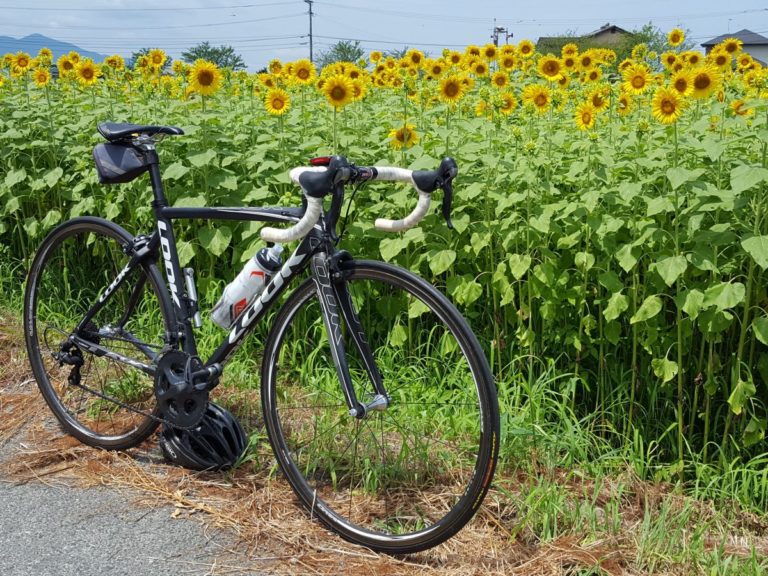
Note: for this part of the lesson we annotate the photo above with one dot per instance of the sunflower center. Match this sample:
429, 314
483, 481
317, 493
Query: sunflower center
551, 68
278, 103
638, 81
22, 62
667, 107
303, 74
540, 100
87, 73
597, 100
586, 118
702, 82
338, 93
681, 85
451, 90
205, 77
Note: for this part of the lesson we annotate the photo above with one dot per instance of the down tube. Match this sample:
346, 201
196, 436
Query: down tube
256, 310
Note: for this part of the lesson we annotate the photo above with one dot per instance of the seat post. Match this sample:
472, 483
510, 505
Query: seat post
153, 161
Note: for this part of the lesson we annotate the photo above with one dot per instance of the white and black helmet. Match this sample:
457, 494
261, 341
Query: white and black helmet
214, 444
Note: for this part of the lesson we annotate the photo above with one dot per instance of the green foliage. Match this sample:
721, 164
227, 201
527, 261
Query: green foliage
342, 51
223, 56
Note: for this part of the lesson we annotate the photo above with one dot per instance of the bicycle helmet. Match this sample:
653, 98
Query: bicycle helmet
214, 444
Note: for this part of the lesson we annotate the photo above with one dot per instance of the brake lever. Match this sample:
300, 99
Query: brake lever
449, 170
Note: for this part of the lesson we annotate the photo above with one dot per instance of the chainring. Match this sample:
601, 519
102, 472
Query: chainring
181, 402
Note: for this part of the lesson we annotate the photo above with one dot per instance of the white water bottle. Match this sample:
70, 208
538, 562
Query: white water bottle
247, 286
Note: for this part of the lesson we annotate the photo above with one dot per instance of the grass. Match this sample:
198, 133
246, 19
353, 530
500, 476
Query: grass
571, 495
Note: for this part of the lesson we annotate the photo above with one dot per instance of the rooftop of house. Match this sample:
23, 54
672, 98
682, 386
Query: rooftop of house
747, 37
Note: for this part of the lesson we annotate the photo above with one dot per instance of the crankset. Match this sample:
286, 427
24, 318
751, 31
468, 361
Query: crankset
181, 397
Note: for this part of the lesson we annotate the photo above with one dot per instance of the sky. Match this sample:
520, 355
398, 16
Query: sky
260, 30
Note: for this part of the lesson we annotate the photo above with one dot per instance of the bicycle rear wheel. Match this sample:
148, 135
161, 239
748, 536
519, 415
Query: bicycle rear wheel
102, 402
406, 478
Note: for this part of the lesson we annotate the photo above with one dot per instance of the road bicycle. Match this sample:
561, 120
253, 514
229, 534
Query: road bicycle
377, 398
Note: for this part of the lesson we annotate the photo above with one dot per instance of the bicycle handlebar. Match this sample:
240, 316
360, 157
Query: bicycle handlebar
318, 181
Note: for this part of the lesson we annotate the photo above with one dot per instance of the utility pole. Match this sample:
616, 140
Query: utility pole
497, 31
311, 56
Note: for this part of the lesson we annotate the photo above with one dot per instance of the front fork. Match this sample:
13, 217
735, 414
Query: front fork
336, 305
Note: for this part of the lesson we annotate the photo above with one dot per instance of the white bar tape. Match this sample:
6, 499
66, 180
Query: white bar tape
298, 230
296, 172
409, 221
392, 174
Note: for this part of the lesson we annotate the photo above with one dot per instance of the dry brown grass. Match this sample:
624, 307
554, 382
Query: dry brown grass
272, 534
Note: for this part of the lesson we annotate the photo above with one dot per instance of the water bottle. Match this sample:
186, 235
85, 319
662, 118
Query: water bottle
247, 286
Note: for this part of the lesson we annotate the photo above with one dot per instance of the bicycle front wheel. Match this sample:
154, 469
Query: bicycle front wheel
406, 478
101, 401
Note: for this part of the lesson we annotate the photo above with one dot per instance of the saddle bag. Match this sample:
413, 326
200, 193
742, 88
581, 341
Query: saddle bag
118, 163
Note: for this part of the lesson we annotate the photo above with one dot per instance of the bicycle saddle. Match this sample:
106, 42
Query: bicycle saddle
114, 131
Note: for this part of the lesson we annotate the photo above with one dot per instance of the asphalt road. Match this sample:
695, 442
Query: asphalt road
67, 531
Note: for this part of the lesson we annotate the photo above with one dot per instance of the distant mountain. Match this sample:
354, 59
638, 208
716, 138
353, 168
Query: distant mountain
31, 45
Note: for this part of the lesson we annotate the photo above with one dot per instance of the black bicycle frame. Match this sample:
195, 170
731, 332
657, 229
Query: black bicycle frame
317, 248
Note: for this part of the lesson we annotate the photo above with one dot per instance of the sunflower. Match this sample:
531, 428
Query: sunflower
636, 79
500, 79
205, 77
550, 68
157, 58
624, 104
454, 58
731, 45
74, 57
676, 37
586, 60
179, 67
706, 79
304, 71
267, 80
451, 89
739, 108
338, 90
415, 57
569, 49
481, 108
720, 58
45, 54
65, 66
598, 97
375, 56
275, 66
585, 116
403, 137
692, 57
682, 82
41, 76
564, 81
472, 50
668, 59
22, 62
489, 52
667, 105
569, 62
526, 48
142, 63
277, 102
593, 75
116, 62
538, 96
87, 72
435, 68
480, 68
508, 103
507, 61
639, 51
744, 61
359, 89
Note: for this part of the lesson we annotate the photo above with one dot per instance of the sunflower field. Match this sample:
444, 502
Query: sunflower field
610, 217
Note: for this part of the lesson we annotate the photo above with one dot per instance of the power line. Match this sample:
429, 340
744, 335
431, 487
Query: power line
181, 26
191, 9
368, 41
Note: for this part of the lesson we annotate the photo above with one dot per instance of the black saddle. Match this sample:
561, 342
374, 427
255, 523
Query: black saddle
116, 131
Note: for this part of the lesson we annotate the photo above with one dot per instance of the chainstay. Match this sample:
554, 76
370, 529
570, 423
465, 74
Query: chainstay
129, 407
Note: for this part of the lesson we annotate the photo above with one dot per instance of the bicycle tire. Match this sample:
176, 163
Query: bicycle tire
426, 463
71, 269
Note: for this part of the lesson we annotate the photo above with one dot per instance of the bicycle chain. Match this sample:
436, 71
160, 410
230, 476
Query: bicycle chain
78, 384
